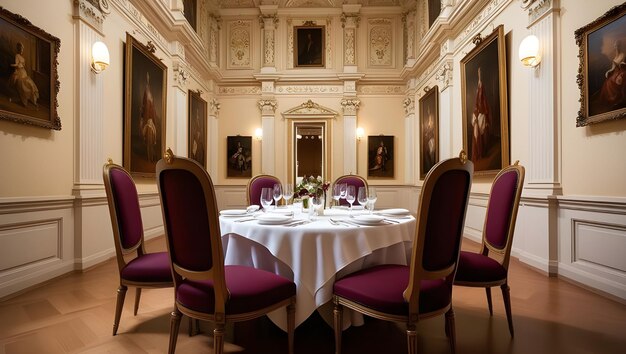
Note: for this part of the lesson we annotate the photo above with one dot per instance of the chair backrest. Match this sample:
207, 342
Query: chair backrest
256, 185
124, 211
440, 222
191, 222
501, 215
351, 180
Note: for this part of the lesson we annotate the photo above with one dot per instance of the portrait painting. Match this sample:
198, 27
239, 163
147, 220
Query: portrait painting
429, 130
309, 46
29, 80
239, 150
190, 11
602, 69
434, 9
196, 140
145, 79
380, 156
484, 104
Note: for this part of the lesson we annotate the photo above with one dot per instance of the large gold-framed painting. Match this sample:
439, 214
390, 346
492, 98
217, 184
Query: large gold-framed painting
29, 81
309, 46
429, 130
145, 79
484, 104
197, 128
602, 69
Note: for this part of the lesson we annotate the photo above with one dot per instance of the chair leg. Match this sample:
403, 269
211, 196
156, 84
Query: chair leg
194, 326
488, 291
411, 338
291, 325
218, 338
338, 324
506, 295
137, 297
121, 295
451, 329
174, 326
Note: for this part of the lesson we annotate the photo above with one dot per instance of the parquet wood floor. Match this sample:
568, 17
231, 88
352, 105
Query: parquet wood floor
74, 314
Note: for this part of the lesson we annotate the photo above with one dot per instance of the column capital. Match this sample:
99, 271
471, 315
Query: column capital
214, 107
350, 105
409, 105
538, 8
444, 75
267, 106
92, 12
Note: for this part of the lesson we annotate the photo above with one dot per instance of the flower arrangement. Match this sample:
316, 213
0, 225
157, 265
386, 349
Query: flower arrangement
311, 187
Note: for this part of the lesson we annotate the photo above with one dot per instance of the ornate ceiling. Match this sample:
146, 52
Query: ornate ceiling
230, 4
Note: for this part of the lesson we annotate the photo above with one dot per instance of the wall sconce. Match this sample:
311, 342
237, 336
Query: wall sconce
258, 134
529, 51
360, 133
99, 57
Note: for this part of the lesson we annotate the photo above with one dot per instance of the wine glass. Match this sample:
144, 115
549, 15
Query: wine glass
287, 192
371, 198
350, 196
277, 193
361, 197
266, 198
343, 189
337, 193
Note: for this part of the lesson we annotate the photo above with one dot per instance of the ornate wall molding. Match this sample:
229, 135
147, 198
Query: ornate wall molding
349, 45
479, 21
408, 20
93, 12
350, 20
300, 89
536, 8
214, 28
309, 109
214, 107
380, 40
409, 105
268, 106
239, 90
444, 75
350, 106
239, 43
180, 75
142, 22
381, 89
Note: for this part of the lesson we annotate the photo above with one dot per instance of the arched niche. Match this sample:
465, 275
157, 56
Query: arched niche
309, 135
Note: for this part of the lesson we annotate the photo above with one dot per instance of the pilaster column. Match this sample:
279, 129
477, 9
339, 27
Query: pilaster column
350, 107
408, 20
410, 133
213, 45
269, 24
268, 110
350, 22
212, 135
177, 129
447, 128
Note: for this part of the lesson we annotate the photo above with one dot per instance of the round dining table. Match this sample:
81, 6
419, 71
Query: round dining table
313, 251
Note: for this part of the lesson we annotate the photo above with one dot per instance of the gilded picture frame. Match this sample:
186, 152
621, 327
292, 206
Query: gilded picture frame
145, 98
380, 156
29, 80
485, 103
239, 156
309, 46
602, 68
197, 132
429, 130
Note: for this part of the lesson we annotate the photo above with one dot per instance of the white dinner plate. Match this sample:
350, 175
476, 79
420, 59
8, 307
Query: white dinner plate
273, 219
281, 211
234, 212
368, 219
394, 212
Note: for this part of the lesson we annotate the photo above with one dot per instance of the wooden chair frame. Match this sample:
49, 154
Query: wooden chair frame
254, 178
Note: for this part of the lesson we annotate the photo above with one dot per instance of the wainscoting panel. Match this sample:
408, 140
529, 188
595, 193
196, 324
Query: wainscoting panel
30, 243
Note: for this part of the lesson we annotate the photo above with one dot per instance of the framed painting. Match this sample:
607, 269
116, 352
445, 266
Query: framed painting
434, 9
309, 46
145, 96
190, 11
196, 140
380, 156
429, 130
602, 69
29, 81
239, 150
484, 103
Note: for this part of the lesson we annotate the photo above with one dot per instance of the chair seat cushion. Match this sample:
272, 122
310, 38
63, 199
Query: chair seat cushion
250, 290
149, 268
475, 267
380, 288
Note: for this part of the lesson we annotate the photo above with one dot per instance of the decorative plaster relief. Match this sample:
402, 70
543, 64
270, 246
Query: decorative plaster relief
239, 90
91, 12
267, 87
409, 34
380, 42
350, 106
479, 21
536, 8
299, 89
349, 46
310, 108
214, 107
180, 75
444, 75
409, 105
240, 34
268, 57
381, 89
267, 107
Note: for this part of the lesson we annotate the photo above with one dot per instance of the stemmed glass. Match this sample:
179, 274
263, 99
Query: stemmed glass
287, 192
337, 193
350, 196
361, 197
371, 198
266, 198
277, 193
343, 190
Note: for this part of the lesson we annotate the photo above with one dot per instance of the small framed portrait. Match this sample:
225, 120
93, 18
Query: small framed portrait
380, 156
484, 104
239, 150
196, 140
190, 10
145, 79
602, 69
309, 46
429, 130
29, 81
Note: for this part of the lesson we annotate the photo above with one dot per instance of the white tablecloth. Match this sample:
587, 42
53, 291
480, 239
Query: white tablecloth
314, 254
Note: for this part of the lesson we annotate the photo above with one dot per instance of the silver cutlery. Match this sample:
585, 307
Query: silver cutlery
245, 219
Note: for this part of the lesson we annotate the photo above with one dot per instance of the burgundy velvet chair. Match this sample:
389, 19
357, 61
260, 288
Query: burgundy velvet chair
422, 289
490, 266
256, 184
353, 180
205, 288
144, 270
